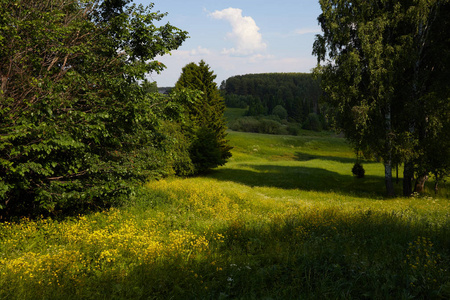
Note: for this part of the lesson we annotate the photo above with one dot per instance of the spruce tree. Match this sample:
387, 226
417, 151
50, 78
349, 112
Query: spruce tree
206, 125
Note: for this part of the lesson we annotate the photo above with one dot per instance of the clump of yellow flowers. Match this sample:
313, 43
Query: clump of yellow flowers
423, 263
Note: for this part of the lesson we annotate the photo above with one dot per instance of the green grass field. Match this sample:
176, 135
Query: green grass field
283, 219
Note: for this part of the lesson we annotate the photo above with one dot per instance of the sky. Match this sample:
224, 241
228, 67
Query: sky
237, 37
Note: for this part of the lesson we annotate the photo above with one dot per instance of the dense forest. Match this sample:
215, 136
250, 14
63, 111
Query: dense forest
297, 93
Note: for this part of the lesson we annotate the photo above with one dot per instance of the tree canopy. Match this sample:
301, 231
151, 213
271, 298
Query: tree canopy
380, 71
75, 124
298, 93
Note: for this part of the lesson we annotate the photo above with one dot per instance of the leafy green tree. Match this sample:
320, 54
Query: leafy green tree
370, 50
206, 126
280, 112
76, 128
298, 93
312, 122
425, 61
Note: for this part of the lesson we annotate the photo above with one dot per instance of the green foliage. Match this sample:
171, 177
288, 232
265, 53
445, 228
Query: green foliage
312, 122
205, 150
258, 125
298, 93
280, 112
76, 129
237, 101
382, 72
358, 170
293, 129
205, 124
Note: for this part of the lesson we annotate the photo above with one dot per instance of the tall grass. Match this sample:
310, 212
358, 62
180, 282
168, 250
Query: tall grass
284, 219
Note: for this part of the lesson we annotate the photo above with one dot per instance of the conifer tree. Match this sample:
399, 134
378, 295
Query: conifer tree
206, 125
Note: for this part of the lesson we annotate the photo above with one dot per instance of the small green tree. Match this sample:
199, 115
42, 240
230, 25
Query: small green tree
206, 126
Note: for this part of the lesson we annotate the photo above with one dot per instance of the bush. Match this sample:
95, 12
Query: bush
270, 126
280, 112
358, 170
258, 125
312, 122
245, 124
293, 128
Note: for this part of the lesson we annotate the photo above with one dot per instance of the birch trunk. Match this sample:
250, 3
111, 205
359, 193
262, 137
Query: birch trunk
388, 179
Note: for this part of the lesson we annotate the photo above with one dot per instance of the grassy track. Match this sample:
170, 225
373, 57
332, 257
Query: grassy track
284, 219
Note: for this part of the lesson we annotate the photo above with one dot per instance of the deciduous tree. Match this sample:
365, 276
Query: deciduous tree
375, 71
75, 125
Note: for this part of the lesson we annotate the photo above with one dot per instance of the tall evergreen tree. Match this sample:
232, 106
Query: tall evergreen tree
206, 124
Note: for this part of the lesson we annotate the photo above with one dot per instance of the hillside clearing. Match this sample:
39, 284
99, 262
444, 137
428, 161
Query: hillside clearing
283, 219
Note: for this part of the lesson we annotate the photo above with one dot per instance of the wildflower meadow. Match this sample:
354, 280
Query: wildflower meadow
264, 226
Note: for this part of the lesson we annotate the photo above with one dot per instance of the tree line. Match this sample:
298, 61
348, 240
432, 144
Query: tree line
297, 93
80, 127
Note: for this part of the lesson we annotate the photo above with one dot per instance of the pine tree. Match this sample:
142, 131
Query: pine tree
206, 125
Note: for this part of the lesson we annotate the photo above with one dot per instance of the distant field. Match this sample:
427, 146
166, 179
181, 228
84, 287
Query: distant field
283, 219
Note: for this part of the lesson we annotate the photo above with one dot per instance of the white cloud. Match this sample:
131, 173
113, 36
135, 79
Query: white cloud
199, 51
257, 58
309, 30
245, 33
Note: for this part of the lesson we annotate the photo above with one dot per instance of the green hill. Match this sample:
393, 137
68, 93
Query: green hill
283, 219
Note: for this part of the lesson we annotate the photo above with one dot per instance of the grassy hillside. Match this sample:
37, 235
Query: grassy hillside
283, 219
318, 162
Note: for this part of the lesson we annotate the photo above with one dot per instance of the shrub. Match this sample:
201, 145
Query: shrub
312, 122
293, 129
266, 125
358, 170
270, 126
245, 124
280, 111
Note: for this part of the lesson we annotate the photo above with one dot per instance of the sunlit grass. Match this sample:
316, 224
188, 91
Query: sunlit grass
284, 221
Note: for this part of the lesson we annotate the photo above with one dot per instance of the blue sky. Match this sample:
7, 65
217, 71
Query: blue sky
236, 37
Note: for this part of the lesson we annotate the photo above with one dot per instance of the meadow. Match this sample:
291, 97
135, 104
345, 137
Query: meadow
283, 219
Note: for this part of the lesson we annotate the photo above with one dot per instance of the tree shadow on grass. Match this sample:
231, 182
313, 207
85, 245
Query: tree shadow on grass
307, 255
301, 156
302, 178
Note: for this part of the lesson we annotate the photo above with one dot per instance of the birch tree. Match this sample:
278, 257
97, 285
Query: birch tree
372, 62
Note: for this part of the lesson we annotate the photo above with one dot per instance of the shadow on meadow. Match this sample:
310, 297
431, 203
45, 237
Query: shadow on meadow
303, 178
301, 156
326, 253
